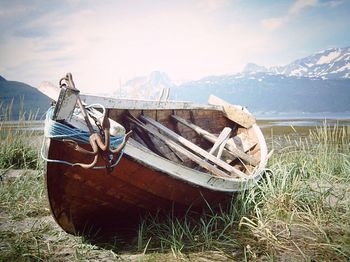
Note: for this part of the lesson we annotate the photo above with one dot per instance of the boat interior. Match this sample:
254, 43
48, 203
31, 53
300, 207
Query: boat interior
203, 139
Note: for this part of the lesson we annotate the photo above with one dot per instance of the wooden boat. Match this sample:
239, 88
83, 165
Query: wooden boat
180, 156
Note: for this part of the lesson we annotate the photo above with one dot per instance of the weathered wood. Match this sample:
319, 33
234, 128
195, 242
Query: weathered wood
212, 169
147, 140
221, 148
195, 148
225, 133
232, 112
167, 151
230, 145
242, 141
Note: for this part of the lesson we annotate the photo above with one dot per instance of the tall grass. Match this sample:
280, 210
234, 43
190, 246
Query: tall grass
17, 150
300, 210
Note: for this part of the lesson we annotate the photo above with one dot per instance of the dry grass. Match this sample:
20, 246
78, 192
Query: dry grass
299, 211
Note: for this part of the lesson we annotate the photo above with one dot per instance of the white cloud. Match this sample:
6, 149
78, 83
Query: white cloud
334, 3
274, 23
299, 5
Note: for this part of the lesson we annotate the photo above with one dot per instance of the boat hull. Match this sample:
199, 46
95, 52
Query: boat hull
95, 200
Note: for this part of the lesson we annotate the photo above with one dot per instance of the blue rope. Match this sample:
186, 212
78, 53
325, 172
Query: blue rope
58, 131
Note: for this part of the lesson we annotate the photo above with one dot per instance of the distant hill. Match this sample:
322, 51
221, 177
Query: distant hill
317, 83
266, 92
24, 98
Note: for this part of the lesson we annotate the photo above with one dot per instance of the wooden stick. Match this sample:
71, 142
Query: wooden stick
212, 169
225, 133
194, 147
212, 138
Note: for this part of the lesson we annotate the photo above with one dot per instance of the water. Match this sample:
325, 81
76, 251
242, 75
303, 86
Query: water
304, 116
301, 124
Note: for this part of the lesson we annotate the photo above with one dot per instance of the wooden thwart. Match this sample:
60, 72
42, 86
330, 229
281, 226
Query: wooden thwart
232, 112
232, 170
230, 145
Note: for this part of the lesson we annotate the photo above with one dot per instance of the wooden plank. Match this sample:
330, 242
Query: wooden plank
212, 169
52, 91
243, 142
221, 148
167, 151
194, 147
225, 133
232, 112
230, 145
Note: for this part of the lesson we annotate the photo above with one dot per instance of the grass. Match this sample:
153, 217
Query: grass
299, 211
17, 150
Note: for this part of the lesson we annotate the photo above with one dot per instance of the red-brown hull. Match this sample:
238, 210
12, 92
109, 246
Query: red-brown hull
93, 199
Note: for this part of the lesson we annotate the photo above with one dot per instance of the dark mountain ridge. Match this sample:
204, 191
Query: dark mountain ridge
25, 101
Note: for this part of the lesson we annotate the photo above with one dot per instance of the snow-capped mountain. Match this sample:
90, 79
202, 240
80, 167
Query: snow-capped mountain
332, 63
268, 92
317, 83
155, 86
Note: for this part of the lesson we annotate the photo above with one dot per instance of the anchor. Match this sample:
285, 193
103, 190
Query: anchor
100, 142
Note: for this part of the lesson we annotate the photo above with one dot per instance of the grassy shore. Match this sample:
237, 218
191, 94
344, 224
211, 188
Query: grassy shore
299, 211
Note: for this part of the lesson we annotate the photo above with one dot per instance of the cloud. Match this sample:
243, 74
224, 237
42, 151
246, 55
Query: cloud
211, 6
105, 44
299, 5
274, 23
334, 3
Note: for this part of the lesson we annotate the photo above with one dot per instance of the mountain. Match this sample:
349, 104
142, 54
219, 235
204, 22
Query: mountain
317, 83
25, 100
332, 63
154, 86
266, 92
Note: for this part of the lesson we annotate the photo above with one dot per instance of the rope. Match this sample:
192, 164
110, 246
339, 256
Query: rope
58, 131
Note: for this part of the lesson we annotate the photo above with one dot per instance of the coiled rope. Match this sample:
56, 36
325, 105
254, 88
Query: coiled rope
58, 131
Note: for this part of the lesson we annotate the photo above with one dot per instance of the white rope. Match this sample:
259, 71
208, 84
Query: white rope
58, 131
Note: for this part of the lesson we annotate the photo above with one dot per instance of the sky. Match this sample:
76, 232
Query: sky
105, 43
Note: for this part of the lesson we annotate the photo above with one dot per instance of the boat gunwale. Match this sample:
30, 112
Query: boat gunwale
53, 91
